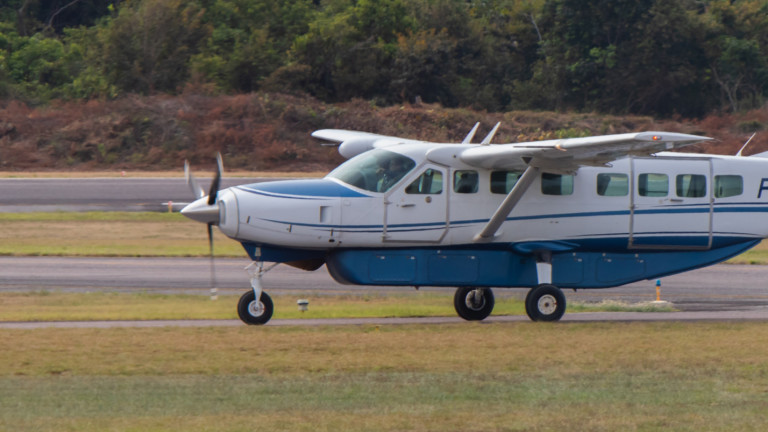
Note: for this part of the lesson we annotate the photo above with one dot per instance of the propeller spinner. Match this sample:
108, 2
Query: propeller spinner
206, 210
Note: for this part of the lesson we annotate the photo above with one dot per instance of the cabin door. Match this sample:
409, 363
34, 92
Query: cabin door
671, 203
416, 210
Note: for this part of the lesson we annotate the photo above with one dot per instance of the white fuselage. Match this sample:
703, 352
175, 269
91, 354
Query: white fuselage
693, 201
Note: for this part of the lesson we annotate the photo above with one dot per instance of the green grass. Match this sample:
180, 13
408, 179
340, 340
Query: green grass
469, 376
112, 306
385, 401
90, 306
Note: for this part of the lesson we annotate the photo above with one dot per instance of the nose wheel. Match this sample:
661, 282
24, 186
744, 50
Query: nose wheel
255, 312
249, 309
473, 304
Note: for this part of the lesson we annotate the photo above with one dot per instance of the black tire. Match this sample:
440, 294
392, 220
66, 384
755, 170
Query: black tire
470, 310
253, 313
545, 303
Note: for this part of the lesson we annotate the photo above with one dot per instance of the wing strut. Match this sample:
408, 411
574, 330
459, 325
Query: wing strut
508, 204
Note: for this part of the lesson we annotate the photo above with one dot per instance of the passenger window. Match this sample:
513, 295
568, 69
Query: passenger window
556, 184
728, 186
430, 182
612, 184
503, 181
653, 185
465, 182
691, 186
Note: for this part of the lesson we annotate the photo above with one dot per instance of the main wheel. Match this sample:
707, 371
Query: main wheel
473, 304
545, 303
255, 312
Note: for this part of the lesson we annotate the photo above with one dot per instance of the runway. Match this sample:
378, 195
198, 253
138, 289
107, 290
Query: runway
718, 287
101, 194
721, 292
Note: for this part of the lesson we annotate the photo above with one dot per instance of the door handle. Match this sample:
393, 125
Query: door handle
407, 205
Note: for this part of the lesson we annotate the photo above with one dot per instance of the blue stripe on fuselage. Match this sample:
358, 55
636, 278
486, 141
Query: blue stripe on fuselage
704, 208
302, 189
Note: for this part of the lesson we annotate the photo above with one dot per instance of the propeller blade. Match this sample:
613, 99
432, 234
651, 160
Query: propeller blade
214, 288
216, 180
192, 182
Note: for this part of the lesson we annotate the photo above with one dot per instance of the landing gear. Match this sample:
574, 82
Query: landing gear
250, 310
473, 304
255, 312
545, 303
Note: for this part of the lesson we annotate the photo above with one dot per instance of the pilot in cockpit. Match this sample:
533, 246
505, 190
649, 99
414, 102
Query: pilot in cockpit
391, 174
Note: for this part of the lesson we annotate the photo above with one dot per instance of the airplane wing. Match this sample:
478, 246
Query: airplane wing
352, 143
562, 156
566, 155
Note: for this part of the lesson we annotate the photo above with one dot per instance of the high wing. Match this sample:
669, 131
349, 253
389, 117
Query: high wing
566, 155
562, 155
352, 143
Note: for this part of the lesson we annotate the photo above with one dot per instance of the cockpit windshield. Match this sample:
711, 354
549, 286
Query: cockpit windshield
375, 170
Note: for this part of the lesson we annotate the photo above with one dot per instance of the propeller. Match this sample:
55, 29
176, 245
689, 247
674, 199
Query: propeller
206, 210
214, 191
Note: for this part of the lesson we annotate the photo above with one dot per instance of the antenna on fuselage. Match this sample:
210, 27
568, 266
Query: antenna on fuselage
745, 145
487, 139
471, 134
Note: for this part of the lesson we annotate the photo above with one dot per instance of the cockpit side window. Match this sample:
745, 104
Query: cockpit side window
430, 182
375, 171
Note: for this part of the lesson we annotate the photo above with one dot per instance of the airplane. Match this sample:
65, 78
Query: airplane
576, 213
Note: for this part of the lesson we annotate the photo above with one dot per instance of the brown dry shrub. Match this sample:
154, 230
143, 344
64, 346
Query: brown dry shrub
271, 131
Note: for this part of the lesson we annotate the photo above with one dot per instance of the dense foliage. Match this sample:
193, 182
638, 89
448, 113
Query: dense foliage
657, 57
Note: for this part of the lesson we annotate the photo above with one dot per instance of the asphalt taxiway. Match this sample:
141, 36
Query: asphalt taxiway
721, 292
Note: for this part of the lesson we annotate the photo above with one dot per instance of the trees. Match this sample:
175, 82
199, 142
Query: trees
615, 56
737, 49
147, 46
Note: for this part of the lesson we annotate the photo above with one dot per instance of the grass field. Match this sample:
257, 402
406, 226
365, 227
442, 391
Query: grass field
458, 377
93, 306
463, 377
108, 234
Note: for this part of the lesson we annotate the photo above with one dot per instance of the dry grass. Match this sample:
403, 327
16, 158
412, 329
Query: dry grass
89, 306
469, 376
756, 255
530, 348
108, 234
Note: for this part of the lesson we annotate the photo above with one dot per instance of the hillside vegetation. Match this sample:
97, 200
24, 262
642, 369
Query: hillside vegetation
269, 131
144, 84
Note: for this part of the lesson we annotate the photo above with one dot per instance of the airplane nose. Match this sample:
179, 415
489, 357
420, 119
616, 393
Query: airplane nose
201, 211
